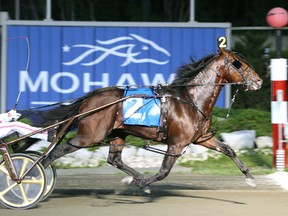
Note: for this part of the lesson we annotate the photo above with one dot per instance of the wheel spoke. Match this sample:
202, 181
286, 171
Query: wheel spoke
8, 189
23, 193
4, 170
32, 181
24, 166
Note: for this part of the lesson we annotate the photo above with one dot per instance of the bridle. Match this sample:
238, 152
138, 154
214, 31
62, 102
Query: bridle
237, 65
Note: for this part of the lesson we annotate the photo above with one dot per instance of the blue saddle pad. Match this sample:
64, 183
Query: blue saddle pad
141, 111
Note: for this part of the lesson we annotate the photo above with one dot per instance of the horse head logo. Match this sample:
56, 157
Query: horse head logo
133, 49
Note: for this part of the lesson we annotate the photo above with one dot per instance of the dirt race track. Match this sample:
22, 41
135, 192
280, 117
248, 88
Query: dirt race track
87, 192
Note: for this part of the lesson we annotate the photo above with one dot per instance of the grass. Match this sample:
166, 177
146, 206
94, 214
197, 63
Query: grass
258, 161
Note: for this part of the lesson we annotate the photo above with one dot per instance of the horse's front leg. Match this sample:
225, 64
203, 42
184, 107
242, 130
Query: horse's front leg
215, 144
115, 159
171, 156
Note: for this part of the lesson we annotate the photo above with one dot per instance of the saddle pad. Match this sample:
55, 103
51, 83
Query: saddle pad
141, 111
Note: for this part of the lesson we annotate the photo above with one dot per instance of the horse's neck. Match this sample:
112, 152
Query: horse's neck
204, 89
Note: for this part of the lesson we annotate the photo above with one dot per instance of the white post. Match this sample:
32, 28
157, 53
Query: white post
3, 84
279, 111
48, 10
192, 10
17, 9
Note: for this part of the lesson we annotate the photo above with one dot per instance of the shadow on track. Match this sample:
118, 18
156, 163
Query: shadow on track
132, 195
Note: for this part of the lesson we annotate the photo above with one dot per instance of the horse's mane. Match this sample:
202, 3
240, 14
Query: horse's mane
187, 72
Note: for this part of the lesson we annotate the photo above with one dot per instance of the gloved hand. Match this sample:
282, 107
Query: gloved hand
13, 115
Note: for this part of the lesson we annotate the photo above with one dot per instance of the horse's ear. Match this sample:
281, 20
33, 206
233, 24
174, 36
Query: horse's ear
222, 50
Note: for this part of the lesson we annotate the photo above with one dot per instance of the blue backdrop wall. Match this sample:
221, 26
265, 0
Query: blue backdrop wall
68, 61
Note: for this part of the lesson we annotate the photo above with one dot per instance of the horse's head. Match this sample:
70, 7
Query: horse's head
235, 69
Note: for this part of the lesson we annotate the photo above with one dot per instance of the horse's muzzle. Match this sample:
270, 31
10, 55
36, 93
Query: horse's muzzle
254, 85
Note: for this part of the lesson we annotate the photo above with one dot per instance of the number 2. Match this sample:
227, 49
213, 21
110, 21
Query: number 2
132, 111
222, 42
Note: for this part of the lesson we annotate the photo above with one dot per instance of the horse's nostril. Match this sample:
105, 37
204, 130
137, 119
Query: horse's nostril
260, 82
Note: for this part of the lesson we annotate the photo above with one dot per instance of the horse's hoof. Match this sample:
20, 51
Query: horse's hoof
127, 180
250, 182
147, 190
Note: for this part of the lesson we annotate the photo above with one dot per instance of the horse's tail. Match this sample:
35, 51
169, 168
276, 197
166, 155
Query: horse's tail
44, 118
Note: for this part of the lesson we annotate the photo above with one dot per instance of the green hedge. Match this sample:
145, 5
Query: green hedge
243, 119
239, 119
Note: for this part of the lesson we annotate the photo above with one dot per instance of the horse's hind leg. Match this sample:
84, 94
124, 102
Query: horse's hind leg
91, 130
58, 151
27, 143
215, 144
115, 158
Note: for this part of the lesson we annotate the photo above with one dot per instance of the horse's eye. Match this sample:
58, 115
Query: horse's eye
237, 64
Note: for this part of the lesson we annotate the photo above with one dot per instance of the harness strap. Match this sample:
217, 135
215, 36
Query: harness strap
162, 91
160, 151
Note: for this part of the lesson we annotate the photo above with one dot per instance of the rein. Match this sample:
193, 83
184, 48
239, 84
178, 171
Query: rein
209, 84
215, 131
229, 109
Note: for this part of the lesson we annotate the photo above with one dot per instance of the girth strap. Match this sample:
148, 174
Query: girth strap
162, 94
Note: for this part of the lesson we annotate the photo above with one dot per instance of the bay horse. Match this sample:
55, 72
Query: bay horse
190, 99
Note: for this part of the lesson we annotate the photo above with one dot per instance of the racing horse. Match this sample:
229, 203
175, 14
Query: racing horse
190, 99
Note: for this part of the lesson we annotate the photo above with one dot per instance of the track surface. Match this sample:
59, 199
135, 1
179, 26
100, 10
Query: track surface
99, 192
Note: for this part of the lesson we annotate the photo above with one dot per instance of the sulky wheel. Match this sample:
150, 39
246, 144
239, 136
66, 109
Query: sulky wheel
31, 189
51, 175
